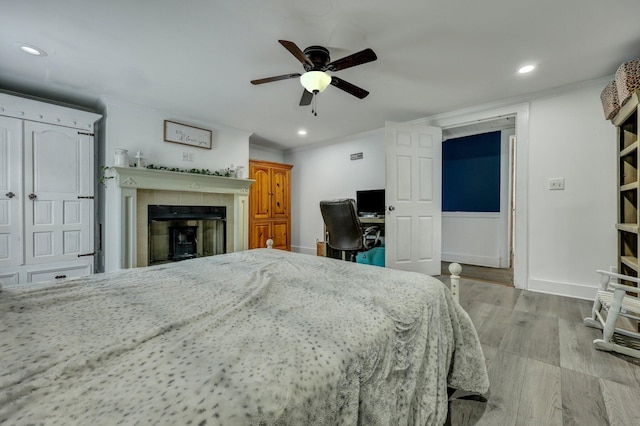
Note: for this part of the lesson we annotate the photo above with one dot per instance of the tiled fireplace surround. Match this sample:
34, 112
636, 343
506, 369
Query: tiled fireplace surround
141, 187
175, 198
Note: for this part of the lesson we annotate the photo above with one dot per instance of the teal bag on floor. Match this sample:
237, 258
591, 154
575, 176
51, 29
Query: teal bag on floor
375, 256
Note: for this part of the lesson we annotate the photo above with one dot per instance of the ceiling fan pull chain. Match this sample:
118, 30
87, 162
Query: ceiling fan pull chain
314, 109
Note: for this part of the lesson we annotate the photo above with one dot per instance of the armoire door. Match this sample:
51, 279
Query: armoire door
261, 192
260, 232
276, 230
280, 234
280, 193
59, 186
11, 196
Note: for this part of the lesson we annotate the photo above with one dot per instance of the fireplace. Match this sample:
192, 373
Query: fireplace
178, 232
137, 188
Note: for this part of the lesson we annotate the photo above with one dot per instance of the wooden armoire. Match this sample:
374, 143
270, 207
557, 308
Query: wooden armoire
270, 204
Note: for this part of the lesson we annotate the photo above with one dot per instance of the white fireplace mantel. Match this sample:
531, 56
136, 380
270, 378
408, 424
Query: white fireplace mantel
141, 178
130, 179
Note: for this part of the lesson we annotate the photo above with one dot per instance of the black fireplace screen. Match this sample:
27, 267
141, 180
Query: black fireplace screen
184, 232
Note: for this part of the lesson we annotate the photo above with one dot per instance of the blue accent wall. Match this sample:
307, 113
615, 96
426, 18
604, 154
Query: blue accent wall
471, 173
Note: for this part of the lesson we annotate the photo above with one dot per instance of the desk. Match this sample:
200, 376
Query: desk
365, 222
369, 221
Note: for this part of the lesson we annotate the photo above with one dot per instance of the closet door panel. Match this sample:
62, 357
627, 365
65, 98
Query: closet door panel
59, 184
11, 195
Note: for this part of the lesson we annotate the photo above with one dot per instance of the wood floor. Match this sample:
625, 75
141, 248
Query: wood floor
483, 273
542, 366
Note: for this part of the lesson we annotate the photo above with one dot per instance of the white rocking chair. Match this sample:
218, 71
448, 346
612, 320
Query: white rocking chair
612, 297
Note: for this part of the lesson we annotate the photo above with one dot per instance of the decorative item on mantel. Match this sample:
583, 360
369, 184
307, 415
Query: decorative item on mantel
105, 175
236, 171
139, 157
121, 158
221, 172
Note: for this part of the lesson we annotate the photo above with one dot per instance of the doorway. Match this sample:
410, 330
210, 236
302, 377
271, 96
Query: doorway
478, 216
521, 170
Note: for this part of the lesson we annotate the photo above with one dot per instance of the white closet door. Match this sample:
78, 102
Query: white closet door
11, 195
58, 178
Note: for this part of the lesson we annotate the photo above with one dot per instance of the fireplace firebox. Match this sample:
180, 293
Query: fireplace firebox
184, 232
183, 242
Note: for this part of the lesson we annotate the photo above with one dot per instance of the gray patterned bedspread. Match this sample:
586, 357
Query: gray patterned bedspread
262, 337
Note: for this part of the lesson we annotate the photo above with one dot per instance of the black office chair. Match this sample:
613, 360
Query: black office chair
344, 229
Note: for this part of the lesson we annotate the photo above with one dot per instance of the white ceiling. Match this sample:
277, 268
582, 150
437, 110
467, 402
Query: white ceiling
195, 58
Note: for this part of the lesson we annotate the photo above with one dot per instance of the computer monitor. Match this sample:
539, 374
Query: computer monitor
370, 203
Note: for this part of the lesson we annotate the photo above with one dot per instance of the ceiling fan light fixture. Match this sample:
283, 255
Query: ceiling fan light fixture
315, 81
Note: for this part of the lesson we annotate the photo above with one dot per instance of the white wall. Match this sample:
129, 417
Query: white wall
136, 128
569, 233
327, 172
257, 152
474, 238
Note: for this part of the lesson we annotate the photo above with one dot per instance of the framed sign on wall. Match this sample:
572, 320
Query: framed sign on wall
187, 135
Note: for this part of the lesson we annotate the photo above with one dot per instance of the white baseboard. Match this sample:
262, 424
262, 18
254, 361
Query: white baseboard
470, 259
577, 291
304, 250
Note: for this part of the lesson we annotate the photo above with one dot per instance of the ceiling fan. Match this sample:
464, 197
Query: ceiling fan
316, 62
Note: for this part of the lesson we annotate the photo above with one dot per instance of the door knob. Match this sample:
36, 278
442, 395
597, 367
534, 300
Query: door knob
10, 194
32, 197
391, 208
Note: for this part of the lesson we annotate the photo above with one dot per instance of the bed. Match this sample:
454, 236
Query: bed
260, 337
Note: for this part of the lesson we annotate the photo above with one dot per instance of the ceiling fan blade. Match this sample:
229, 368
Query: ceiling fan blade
276, 78
295, 51
362, 57
349, 88
306, 98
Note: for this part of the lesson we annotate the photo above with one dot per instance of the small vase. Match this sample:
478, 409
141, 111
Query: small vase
121, 158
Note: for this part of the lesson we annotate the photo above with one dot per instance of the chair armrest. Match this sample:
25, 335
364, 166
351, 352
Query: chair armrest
621, 277
625, 288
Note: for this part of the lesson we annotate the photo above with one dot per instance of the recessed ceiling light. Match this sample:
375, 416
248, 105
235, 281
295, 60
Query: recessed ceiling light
32, 50
525, 69
302, 132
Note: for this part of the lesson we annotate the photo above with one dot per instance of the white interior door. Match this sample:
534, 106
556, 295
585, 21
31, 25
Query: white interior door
59, 188
413, 192
11, 195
